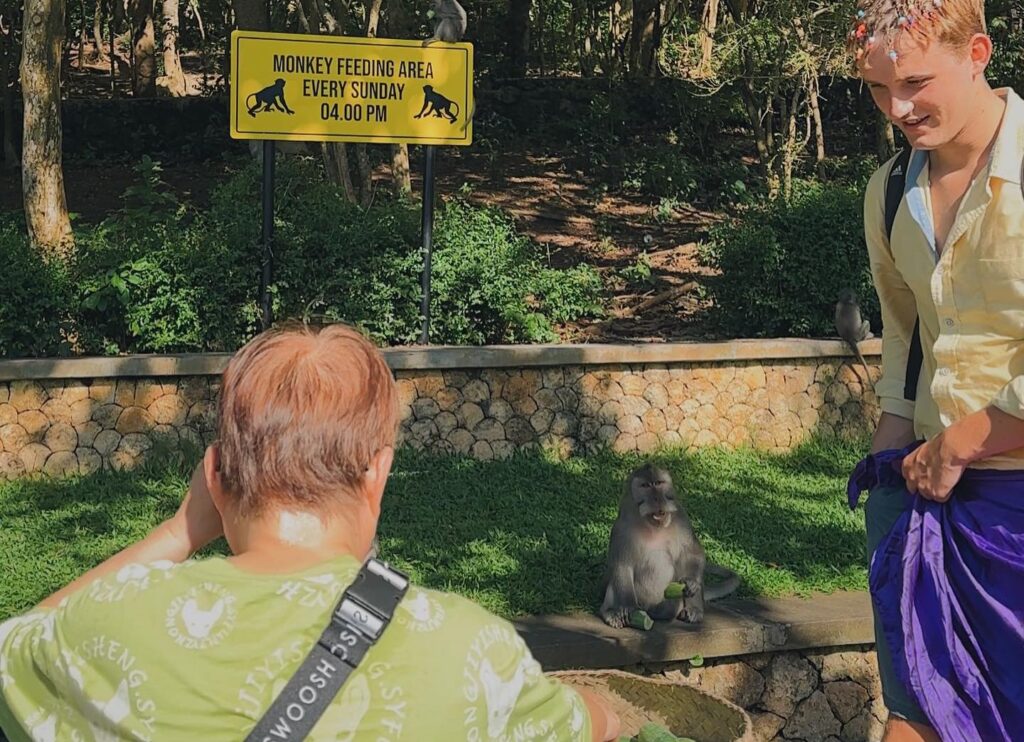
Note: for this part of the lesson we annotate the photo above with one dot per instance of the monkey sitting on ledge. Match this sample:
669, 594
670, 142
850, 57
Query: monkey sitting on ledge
653, 544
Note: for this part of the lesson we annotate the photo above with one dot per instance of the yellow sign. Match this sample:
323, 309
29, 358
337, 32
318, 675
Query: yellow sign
350, 89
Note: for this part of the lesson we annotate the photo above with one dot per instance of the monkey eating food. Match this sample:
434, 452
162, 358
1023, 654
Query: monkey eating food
653, 546
271, 98
449, 22
853, 328
437, 104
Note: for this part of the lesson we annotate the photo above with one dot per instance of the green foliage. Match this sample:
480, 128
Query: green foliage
783, 265
662, 171
639, 272
34, 298
160, 276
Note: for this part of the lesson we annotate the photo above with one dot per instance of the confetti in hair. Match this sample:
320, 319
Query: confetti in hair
884, 22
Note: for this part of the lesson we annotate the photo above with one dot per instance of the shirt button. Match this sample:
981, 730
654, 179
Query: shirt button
950, 323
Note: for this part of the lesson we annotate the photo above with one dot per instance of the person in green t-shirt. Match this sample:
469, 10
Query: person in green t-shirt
154, 645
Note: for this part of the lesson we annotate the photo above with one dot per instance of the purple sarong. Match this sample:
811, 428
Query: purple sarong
948, 583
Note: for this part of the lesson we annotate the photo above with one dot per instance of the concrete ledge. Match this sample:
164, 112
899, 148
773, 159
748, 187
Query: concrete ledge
731, 628
452, 357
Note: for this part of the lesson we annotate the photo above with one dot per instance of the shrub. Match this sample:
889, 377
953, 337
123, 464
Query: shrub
34, 298
160, 276
782, 265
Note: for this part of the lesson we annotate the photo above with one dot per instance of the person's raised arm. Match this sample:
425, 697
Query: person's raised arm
193, 526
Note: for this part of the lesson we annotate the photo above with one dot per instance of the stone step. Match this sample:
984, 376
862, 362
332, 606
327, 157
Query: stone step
730, 628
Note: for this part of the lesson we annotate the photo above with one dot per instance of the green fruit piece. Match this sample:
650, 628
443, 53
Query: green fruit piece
655, 733
674, 590
640, 620
697, 661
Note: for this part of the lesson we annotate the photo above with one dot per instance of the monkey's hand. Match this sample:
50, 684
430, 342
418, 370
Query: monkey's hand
693, 612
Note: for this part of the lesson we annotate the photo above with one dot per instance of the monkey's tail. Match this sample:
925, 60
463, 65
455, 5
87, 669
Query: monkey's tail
860, 357
728, 585
251, 95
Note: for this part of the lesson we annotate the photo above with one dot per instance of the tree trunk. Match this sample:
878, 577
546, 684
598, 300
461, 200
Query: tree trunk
173, 80
335, 158
83, 35
643, 37
518, 50
708, 26
42, 177
9, 53
790, 114
144, 48
97, 31
401, 173
819, 129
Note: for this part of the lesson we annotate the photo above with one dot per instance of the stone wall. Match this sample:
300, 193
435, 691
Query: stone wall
807, 696
65, 421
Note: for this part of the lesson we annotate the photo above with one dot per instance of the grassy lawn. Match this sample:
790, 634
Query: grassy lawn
522, 536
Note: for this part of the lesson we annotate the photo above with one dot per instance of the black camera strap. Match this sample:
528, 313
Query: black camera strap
362, 614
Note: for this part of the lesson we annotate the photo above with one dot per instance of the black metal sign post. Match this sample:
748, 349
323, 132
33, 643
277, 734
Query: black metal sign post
428, 240
267, 275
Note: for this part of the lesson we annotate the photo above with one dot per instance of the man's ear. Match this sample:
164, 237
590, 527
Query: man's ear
375, 478
980, 51
214, 482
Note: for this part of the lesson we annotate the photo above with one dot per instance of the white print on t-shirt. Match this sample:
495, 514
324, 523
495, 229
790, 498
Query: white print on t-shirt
576, 722
319, 591
347, 713
127, 708
421, 612
202, 617
257, 690
492, 695
46, 730
501, 695
130, 580
110, 715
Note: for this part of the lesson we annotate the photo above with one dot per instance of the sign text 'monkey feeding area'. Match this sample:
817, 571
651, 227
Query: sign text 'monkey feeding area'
350, 89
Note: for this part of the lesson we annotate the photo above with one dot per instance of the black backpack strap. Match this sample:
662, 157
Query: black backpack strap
895, 186
362, 614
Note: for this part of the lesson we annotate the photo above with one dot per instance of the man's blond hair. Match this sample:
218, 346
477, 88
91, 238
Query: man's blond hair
881, 22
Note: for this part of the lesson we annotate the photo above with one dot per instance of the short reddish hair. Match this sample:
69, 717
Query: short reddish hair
950, 22
303, 410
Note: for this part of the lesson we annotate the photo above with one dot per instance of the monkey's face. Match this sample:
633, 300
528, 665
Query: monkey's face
654, 496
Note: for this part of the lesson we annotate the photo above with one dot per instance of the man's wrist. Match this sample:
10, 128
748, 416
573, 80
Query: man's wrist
172, 535
962, 443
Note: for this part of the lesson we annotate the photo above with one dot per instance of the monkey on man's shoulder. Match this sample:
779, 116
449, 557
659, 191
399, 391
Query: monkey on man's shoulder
652, 545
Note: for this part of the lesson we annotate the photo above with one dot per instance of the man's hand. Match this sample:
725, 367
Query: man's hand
604, 723
197, 521
932, 469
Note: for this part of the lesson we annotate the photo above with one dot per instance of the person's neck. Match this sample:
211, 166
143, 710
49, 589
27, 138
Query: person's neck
968, 149
291, 540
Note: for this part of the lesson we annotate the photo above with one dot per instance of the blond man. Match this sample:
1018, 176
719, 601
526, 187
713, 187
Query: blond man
950, 280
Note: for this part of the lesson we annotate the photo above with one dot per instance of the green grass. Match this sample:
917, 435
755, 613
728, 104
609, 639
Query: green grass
522, 536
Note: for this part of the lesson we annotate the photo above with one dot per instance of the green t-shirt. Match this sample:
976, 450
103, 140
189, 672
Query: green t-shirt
198, 651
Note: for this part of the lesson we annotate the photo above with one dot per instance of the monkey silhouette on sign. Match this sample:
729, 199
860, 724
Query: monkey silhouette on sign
271, 98
437, 104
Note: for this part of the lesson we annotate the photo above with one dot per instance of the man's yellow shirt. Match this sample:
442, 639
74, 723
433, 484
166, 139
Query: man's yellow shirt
969, 296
